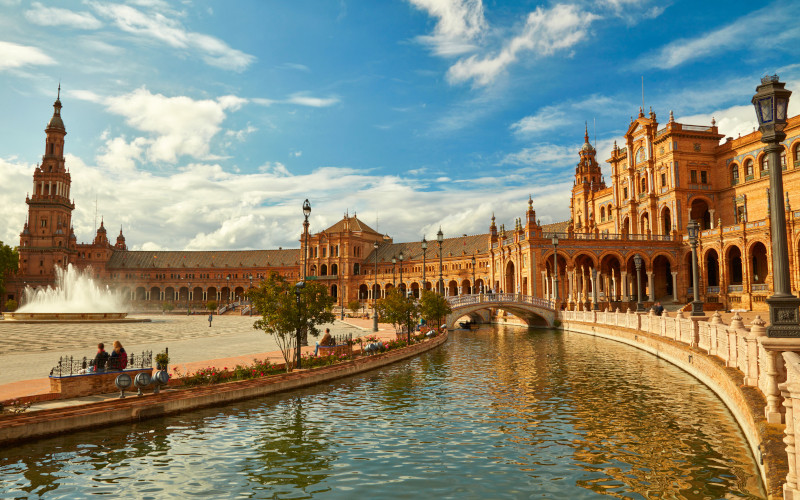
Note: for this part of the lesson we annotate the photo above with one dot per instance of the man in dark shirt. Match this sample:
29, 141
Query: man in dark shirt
100, 359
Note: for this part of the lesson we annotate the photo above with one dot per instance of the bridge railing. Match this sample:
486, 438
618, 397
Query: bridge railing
480, 298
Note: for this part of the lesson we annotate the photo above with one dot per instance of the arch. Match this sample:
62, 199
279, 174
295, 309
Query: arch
645, 223
323, 270
376, 291
748, 169
452, 288
700, 213
509, 284
312, 271
530, 314
169, 293
662, 278
334, 270
666, 220
626, 226
796, 154
763, 165
226, 294
238, 292
758, 263
734, 173
140, 293
602, 214
634, 278
334, 291
466, 287
415, 290
783, 158
479, 286
643, 184
363, 292
733, 257
197, 294
711, 261
155, 293
211, 293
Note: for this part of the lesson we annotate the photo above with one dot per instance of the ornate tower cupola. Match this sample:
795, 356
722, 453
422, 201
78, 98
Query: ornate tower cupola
588, 173
530, 215
101, 238
120, 245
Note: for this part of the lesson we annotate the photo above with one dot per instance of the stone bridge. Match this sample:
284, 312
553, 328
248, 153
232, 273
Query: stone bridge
534, 311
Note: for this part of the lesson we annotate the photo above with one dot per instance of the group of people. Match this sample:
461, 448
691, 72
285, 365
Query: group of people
103, 361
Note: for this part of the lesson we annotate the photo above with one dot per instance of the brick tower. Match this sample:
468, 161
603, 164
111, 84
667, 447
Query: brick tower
45, 240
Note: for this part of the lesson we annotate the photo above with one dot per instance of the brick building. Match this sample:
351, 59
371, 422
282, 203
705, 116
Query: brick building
661, 177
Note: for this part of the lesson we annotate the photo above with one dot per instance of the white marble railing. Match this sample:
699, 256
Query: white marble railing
772, 365
480, 298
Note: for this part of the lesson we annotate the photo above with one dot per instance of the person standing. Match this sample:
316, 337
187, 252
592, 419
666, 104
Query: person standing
210, 317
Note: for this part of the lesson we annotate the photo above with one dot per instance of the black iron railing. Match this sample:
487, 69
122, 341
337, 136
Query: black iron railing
70, 365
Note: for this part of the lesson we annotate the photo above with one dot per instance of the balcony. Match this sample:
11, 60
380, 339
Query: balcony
749, 177
735, 288
713, 290
759, 287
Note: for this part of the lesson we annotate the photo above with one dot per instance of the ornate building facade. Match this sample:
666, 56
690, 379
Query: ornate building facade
662, 177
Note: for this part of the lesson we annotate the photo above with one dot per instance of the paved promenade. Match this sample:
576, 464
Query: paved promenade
29, 351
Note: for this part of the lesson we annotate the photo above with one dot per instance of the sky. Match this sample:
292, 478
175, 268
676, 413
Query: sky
204, 125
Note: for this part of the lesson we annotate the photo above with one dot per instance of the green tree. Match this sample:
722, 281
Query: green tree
281, 315
354, 305
434, 307
167, 306
9, 263
211, 305
11, 305
398, 310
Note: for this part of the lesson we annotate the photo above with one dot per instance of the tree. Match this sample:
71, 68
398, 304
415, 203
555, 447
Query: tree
354, 305
434, 306
211, 305
11, 305
398, 310
167, 306
276, 300
9, 263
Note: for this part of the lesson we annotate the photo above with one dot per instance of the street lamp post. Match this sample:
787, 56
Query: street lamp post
375, 291
188, 291
473, 275
306, 213
771, 102
299, 286
637, 259
440, 239
693, 228
394, 271
555, 267
228, 278
250, 297
401, 257
424, 251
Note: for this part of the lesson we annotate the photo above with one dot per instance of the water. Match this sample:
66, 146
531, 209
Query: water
494, 413
75, 292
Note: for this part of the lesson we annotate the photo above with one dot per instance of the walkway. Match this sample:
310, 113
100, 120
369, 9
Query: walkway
192, 345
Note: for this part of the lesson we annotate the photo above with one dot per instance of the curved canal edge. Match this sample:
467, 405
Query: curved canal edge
745, 403
29, 426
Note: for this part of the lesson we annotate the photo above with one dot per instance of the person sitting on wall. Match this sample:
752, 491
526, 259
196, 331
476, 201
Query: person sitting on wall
100, 359
119, 358
659, 308
326, 340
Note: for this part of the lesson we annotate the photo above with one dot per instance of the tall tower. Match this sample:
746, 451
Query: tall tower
45, 239
588, 180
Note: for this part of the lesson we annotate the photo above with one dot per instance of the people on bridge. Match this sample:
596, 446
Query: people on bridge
119, 358
100, 359
326, 340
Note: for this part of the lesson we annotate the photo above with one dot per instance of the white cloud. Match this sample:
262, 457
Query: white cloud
544, 120
460, 23
158, 26
317, 102
53, 16
754, 31
543, 154
13, 55
177, 126
546, 31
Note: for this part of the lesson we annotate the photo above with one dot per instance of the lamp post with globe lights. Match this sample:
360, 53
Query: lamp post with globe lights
555, 267
440, 239
375, 291
637, 260
424, 251
401, 257
306, 213
693, 228
771, 103
473, 274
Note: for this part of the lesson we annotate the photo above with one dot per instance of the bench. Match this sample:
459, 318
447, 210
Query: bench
87, 384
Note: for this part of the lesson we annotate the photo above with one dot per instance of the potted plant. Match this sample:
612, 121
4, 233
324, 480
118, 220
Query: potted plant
162, 360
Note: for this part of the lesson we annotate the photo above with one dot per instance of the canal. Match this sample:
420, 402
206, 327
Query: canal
494, 413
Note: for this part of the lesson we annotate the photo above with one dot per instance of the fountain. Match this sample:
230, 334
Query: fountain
76, 297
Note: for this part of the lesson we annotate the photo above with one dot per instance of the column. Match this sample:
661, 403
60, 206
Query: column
545, 290
553, 286
711, 214
650, 284
614, 295
675, 286
569, 279
594, 288
624, 287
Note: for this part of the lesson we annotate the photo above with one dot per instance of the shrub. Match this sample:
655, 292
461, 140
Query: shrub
11, 305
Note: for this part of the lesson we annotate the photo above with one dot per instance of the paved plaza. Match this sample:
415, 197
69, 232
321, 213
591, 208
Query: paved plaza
29, 351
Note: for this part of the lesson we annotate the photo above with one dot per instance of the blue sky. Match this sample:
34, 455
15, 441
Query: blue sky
204, 125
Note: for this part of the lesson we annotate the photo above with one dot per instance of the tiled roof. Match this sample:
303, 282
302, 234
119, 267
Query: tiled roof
455, 247
556, 227
205, 259
355, 225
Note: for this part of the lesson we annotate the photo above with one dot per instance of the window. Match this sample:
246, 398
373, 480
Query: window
663, 179
693, 176
640, 155
748, 169
44, 223
797, 155
734, 174
644, 184
625, 192
323, 252
764, 165
703, 177
602, 213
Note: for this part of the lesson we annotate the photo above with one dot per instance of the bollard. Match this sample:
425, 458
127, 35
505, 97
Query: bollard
142, 380
123, 381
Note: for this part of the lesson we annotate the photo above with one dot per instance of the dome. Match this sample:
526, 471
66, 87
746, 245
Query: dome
586, 147
55, 122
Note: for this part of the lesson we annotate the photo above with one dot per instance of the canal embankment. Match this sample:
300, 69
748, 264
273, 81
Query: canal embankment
715, 354
43, 423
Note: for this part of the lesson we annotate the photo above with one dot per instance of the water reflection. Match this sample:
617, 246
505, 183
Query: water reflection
495, 413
